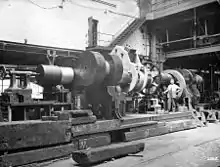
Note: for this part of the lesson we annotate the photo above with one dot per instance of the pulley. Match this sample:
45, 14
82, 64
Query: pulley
180, 80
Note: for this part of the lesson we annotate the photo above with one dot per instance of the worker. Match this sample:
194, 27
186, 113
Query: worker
164, 98
172, 91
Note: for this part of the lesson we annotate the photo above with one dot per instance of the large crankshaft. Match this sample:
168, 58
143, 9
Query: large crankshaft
114, 69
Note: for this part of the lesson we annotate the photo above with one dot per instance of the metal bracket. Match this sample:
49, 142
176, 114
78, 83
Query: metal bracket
51, 56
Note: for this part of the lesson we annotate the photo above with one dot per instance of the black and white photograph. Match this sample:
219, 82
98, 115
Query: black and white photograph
109, 83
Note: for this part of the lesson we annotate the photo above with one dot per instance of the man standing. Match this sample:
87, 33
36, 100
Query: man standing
172, 91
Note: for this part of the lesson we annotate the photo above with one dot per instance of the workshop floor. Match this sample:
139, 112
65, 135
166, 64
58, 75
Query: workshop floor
197, 147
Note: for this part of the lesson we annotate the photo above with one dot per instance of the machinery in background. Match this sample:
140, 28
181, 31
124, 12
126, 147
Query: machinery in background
188, 81
216, 100
188, 97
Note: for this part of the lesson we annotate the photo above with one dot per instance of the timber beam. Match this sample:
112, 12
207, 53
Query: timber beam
167, 8
95, 155
30, 142
29, 134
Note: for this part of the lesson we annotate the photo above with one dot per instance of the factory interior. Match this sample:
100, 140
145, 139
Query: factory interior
57, 101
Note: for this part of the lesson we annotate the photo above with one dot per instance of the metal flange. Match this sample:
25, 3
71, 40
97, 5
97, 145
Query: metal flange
180, 80
90, 68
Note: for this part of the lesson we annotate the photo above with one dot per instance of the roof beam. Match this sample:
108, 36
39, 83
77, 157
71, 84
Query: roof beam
194, 51
176, 6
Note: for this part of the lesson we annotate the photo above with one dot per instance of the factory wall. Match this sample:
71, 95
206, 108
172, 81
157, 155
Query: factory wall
65, 27
139, 41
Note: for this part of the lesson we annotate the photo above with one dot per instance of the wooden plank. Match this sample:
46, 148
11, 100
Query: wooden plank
180, 7
191, 124
169, 127
191, 52
140, 119
96, 140
140, 125
175, 126
17, 135
145, 133
100, 154
78, 113
49, 118
83, 120
172, 127
173, 116
62, 115
164, 4
97, 127
179, 118
38, 133
32, 156
159, 124
103, 126
136, 135
181, 125
158, 131
66, 114
165, 116
108, 125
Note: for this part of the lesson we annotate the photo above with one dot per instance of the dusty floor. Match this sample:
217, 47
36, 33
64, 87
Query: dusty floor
197, 148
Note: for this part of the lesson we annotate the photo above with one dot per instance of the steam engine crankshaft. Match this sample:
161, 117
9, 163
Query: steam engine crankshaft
102, 77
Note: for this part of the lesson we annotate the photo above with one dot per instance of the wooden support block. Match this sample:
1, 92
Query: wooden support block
145, 132
164, 128
97, 127
145, 127
174, 116
190, 124
181, 125
158, 131
62, 115
103, 126
79, 113
94, 141
25, 134
27, 157
49, 118
83, 120
136, 135
140, 119
100, 154
175, 126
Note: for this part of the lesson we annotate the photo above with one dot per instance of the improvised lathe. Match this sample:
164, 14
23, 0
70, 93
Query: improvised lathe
95, 81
